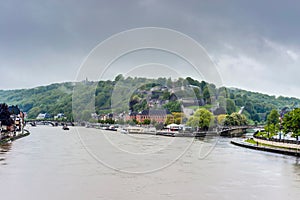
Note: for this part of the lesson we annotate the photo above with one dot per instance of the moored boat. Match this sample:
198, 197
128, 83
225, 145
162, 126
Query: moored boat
65, 127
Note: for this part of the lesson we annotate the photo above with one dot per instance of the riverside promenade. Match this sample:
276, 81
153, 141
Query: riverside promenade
279, 143
287, 147
291, 152
15, 137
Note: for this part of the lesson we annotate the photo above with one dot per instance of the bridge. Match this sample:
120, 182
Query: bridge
234, 131
46, 122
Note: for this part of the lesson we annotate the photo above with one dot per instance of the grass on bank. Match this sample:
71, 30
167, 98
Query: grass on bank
251, 141
265, 134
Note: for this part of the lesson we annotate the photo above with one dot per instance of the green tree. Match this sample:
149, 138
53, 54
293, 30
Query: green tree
166, 95
272, 126
119, 77
221, 118
197, 93
223, 92
272, 129
132, 122
273, 117
255, 117
239, 119
109, 121
230, 106
249, 107
169, 119
192, 81
235, 119
239, 102
178, 117
291, 122
206, 95
146, 121
202, 118
229, 121
173, 106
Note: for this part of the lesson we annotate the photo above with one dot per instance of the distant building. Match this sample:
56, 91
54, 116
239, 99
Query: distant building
103, 117
186, 102
94, 115
173, 97
159, 116
59, 116
43, 116
110, 116
131, 116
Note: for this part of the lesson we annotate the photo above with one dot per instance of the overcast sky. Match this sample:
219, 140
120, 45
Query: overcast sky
255, 44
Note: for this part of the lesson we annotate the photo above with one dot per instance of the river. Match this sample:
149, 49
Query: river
91, 164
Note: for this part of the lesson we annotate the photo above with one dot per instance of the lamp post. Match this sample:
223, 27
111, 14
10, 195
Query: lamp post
280, 127
268, 129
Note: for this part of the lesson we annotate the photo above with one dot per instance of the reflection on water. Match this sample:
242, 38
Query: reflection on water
297, 161
53, 164
297, 169
4, 148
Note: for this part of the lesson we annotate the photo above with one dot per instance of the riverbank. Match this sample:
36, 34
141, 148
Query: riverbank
279, 144
13, 138
260, 147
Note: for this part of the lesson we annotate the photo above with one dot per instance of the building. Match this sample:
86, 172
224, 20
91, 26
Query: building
173, 97
60, 116
159, 116
94, 116
131, 116
43, 116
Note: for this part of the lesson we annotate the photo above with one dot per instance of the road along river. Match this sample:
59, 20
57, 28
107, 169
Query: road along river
92, 164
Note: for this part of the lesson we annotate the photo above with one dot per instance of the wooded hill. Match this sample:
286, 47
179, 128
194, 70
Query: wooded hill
137, 94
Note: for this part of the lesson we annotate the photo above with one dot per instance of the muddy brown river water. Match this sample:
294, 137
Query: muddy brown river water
92, 164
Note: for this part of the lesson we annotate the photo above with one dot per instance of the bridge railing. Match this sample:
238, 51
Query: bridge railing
234, 127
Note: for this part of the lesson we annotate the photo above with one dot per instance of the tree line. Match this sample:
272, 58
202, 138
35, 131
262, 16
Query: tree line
203, 119
282, 123
124, 94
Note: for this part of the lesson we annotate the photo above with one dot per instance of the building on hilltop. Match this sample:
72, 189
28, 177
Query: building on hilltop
173, 97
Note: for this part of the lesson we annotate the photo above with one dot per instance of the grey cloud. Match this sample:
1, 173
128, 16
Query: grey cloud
42, 38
